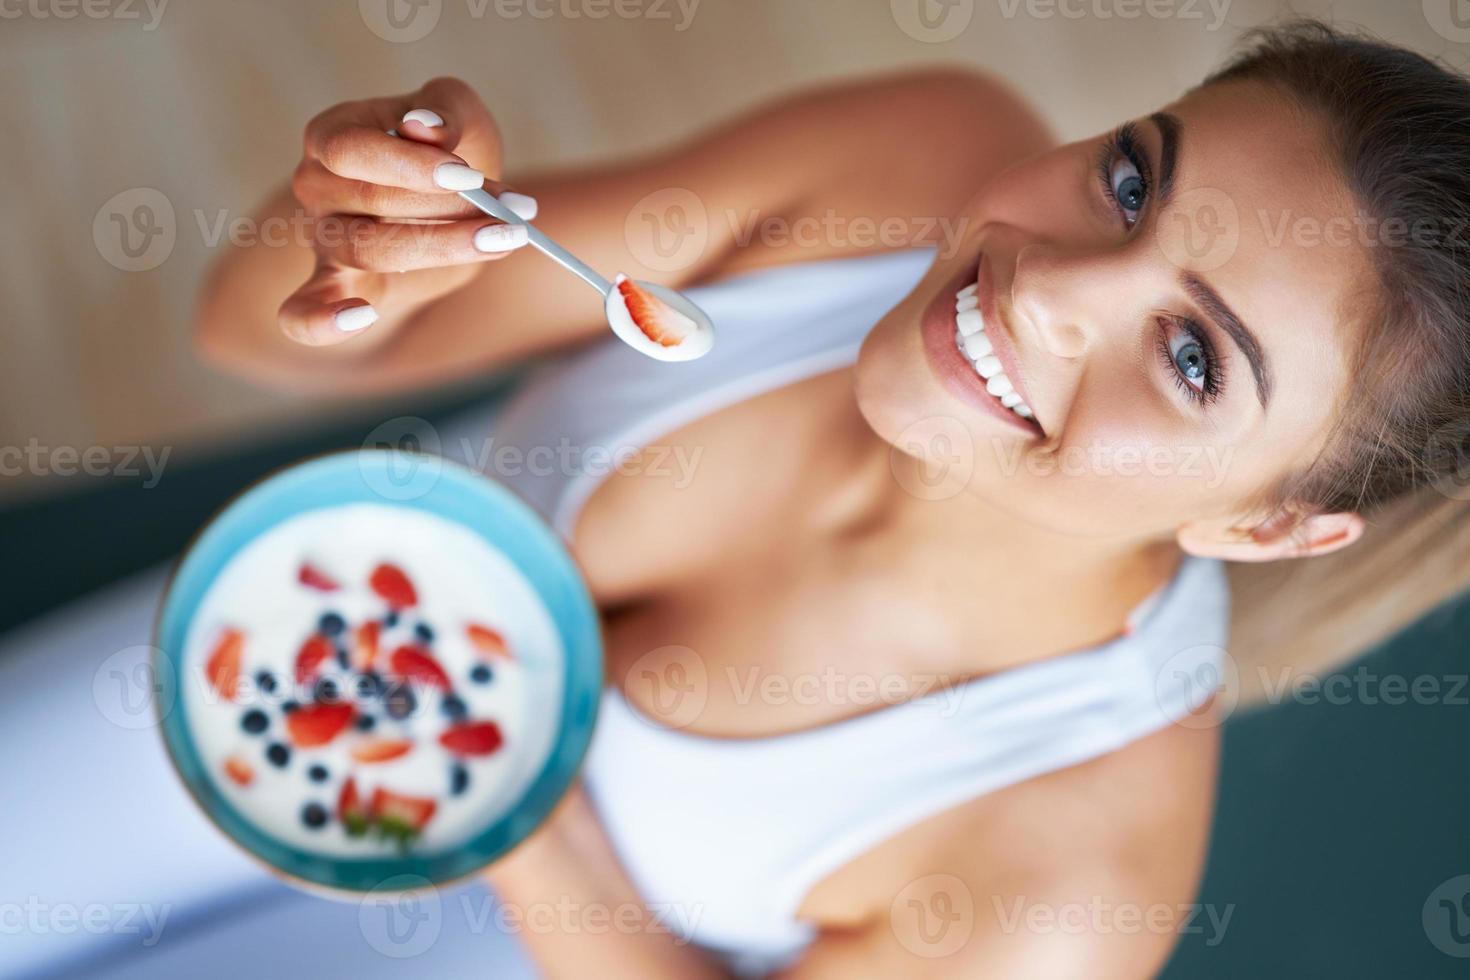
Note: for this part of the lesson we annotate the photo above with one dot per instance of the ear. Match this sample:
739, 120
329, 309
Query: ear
1282, 535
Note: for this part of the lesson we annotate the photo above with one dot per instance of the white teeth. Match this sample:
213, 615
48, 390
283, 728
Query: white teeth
970, 338
977, 348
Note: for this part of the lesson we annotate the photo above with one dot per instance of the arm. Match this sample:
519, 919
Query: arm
903, 146
605, 929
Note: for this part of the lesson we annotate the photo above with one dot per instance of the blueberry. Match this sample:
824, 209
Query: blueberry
318, 774
278, 754
391, 620
288, 706
453, 706
370, 684
458, 780
365, 723
314, 815
342, 660
326, 690
331, 624
481, 674
400, 701
266, 681
254, 721
423, 632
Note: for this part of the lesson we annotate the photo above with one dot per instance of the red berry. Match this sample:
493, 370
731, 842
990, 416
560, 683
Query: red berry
239, 770
314, 578
472, 738
318, 724
651, 314
393, 585
381, 749
365, 645
223, 668
309, 659
489, 642
414, 664
414, 811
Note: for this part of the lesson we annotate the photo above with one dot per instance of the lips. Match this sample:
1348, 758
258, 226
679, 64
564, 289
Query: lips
957, 372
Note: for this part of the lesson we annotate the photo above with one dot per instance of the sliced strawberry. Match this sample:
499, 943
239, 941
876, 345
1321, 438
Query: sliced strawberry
414, 664
659, 322
365, 645
239, 770
309, 659
412, 811
393, 585
318, 724
488, 642
472, 738
350, 810
381, 749
223, 668
314, 578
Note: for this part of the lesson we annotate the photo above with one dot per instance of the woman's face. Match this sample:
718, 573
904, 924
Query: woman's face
1169, 303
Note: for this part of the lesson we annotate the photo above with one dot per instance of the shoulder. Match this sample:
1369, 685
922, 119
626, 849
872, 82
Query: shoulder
891, 156
1087, 872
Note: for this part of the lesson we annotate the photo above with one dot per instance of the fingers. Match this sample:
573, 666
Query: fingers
326, 193
329, 307
354, 151
387, 246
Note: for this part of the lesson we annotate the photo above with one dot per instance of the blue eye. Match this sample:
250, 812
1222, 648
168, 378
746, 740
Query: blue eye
1123, 172
1190, 361
1129, 190
1190, 358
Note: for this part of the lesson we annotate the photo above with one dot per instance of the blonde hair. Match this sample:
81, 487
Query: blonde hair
1399, 125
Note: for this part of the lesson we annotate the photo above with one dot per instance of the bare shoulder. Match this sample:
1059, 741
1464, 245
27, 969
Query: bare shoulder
874, 164
1087, 872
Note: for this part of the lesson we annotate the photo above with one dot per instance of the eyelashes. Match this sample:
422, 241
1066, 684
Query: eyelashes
1213, 382
1123, 144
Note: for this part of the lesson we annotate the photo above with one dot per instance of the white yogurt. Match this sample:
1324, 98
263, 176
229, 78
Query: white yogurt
459, 579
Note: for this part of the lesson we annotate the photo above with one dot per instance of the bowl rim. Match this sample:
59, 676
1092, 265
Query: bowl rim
580, 700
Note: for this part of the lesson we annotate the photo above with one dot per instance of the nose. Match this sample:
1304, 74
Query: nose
1062, 293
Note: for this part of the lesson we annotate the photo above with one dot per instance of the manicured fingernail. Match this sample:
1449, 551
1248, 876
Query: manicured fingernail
457, 177
424, 117
500, 238
524, 205
355, 318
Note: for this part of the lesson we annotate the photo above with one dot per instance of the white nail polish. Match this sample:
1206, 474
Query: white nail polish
524, 205
457, 177
424, 117
356, 318
500, 238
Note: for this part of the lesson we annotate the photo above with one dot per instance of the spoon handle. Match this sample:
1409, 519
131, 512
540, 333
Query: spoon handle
486, 202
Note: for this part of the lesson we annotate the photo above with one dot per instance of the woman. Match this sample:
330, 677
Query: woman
974, 495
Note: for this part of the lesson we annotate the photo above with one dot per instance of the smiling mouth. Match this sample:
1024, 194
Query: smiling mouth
971, 351
975, 344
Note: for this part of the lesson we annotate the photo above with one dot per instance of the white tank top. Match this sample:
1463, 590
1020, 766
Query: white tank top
725, 837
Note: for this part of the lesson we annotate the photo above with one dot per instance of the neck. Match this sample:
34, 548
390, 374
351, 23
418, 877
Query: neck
1037, 591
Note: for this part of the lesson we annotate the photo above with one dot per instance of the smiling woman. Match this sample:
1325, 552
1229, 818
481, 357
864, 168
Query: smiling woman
969, 466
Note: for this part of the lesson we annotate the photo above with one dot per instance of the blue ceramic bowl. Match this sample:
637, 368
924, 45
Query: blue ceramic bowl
400, 479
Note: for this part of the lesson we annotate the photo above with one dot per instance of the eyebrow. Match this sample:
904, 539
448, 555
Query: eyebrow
1171, 132
1224, 317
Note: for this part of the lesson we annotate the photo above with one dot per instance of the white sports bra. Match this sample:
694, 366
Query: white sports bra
725, 837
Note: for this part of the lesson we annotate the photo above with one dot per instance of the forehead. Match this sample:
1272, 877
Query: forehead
1272, 225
